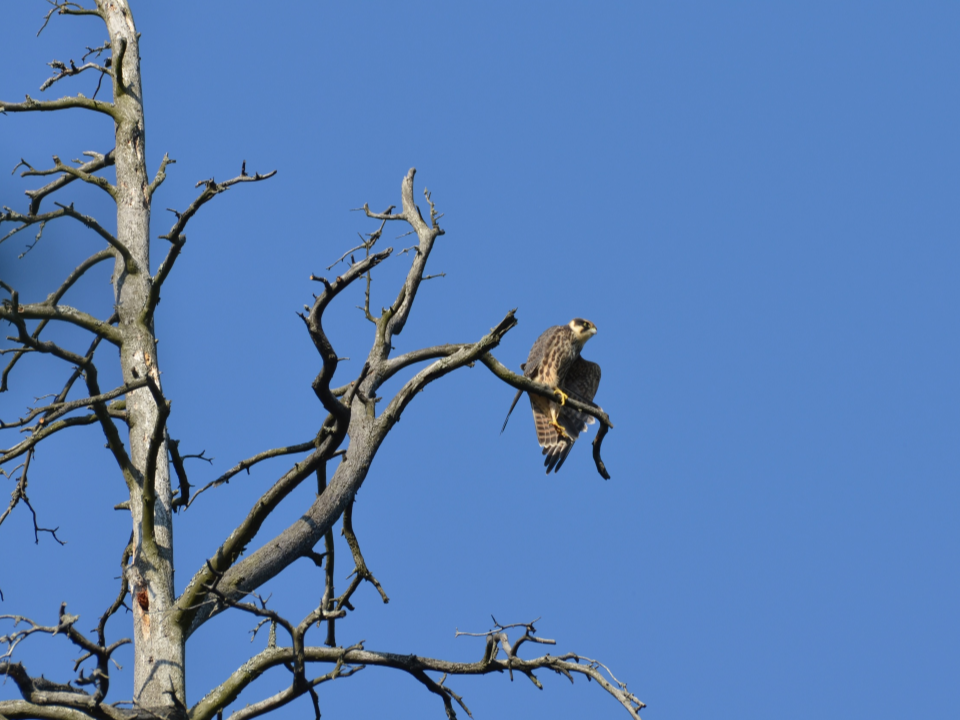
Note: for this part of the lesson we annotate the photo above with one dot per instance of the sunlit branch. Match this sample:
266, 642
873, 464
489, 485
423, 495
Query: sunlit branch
427, 235
65, 313
24, 710
64, 103
394, 365
568, 665
463, 356
95, 180
231, 548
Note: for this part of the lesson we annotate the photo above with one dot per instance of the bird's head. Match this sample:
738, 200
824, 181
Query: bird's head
583, 330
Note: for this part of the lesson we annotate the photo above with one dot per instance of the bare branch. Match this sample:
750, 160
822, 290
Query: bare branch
161, 175
321, 384
67, 211
228, 553
64, 103
173, 446
417, 666
42, 311
385, 215
463, 356
427, 235
295, 690
78, 272
17, 709
65, 8
36, 196
77, 371
64, 71
114, 410
365, 245
118, 602
176, 245
53, 299
31, 689
210, 190
361, 570
249, 463
262, 611
299, 538
90, 374
98, 51
394, 365
58, 409
27, 221
130, 263
326, 602
16, 314
79, 174
176, 237
20, 493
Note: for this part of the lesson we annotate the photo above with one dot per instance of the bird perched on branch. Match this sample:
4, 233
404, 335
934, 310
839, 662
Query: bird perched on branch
555, 360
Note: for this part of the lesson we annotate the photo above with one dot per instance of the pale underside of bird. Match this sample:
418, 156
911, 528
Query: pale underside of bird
555, 360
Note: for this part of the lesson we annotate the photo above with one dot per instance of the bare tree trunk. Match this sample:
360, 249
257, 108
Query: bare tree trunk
158, 641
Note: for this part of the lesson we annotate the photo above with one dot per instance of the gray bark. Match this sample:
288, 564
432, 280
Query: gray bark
158, 642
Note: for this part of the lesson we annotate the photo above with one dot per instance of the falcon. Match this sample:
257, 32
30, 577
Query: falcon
555, 360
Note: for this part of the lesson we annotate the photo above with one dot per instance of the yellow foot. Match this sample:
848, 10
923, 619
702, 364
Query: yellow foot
560, 431
562, 395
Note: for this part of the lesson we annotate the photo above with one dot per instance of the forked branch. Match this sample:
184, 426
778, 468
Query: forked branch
99, 162
211, 188
64, 71
32, 689
314, 322
53, 299
567, 665
249, 463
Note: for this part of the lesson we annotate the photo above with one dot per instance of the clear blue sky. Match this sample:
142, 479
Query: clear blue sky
756, 203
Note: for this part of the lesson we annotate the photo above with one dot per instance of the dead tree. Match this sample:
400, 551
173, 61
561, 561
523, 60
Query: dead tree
133, 417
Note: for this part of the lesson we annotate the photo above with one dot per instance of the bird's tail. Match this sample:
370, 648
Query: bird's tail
515, 401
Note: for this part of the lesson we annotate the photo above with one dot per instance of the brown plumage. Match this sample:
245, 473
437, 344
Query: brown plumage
555, 360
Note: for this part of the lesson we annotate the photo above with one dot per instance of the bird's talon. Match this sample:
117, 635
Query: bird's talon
560, 431
562, 395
